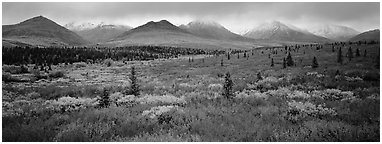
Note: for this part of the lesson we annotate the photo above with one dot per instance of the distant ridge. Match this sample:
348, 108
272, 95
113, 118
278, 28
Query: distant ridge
278, 31
334, 32
367, 36
100, 33
41, 31
211, 29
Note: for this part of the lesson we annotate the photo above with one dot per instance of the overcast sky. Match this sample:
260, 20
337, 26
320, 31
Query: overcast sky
236, 17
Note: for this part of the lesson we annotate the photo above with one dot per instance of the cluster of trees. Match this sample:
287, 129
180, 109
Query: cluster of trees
288, 61
52, 56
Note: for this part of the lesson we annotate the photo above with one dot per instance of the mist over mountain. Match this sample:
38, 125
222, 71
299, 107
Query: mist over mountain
334, 32
40, 31
210, 29
101, 32
276, 30
75, 26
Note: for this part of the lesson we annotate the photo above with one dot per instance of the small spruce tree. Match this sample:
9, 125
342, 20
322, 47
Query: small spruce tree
339, 56
272, 63
221, 62
259, 77
315, 63
104, 100
134, 84
284, 63
227, 88
357, 54
364, 54
350, 54
289, 60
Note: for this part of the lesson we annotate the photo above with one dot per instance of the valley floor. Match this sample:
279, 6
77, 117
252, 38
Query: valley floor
181, 99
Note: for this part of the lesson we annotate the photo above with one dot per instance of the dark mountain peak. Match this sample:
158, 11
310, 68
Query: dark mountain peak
38, 20
371, 35
164, 22
154, 26
375, 30
210, 29
41, 27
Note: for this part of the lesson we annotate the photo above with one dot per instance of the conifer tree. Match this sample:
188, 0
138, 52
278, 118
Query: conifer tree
134, 84
259, 77
315, 63
104, 100
357, 54
221, 62
364, 54
289, 60
284, 63
272, 64
227, 87
350, 54
339, 56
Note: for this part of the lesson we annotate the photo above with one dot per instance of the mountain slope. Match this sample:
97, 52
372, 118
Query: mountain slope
40, 31
210, 29
163, 33
281, 32
334, 32
367, 36
102, 33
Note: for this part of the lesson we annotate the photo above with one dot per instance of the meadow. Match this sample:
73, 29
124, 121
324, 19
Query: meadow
185, 99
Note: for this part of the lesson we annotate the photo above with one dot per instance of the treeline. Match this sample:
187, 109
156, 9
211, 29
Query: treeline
53, 56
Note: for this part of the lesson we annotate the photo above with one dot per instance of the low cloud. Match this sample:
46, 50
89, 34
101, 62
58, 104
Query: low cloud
235, 16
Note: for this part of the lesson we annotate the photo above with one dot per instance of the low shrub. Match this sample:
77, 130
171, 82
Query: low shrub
108, 62
7, 77
15, 69
56, 74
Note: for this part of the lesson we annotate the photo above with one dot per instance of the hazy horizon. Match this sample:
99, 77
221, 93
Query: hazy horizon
237, 17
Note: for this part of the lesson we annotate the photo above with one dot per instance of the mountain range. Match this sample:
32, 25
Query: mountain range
166, 34
98, 33
334, 32
40, 31
211, 29
278, 31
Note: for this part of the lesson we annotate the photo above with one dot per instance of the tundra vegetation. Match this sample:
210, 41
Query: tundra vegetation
306, 92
